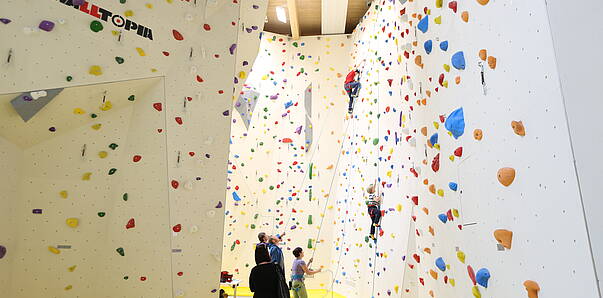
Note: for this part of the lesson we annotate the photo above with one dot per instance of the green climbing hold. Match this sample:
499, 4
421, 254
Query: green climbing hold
261, 179
261, 143
101, 214
309, 243
366, 239
125, 197
69, 78
96, 26
121, 251
93, 115
271, 187
375, 141
310, 195
295, 44
232, 247
131, 98
302, 57
253, 226
310, 219
112, 171
310, 170
119, 60
122, 1
256, 216
126, 277
113, 146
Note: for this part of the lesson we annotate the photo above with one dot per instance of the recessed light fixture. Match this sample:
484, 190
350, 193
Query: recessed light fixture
280, 14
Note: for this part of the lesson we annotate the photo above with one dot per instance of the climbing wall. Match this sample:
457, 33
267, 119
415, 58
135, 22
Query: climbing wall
461, 122
192, 46
282, 165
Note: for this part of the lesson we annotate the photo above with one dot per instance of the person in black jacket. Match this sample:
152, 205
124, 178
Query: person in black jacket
266, 280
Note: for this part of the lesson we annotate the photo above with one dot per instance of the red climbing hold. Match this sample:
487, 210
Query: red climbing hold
458, 152
143, 278
131, 224
199, 79
417, 258
435, 164
178, 120
180, 273
166, 53
175, 184
177, 228
158, 106
177, 35
453, 5
207, 27
136, 158
191, 153
415, 200
471, 274
287, 140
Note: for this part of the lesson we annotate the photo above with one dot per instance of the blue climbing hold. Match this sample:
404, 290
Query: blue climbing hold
443, 217
482, 276
440, 264
288, 104
423, 24
444, 45
455, 123
458, 60
235, 196
434, 139
428, 46
453, 186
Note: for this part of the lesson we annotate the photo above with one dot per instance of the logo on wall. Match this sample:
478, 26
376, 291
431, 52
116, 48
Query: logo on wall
107, 16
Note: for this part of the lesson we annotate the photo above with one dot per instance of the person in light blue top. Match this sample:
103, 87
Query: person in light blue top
297, 273
276, 253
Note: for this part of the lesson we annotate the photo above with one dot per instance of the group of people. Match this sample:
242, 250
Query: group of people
267, 279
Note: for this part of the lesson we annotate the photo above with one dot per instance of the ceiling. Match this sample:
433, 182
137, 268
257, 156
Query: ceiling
337, 19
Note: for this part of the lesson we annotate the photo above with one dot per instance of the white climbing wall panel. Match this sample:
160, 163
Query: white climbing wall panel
193, 48
410, 54
268, 172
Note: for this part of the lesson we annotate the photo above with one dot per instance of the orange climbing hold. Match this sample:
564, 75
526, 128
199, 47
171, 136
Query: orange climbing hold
492, 62
433, 274
483, 2
483, 54
465, 16
532, 287
424, 130
506, 176
418, 61
504, 237
518, 128
478, 134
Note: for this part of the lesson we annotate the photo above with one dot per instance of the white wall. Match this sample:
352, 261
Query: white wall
43, 60
285, 68
10, 157
579, 79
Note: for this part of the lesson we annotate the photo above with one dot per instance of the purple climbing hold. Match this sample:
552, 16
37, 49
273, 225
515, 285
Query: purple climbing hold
46, 25
78, 2
255, 6
219, 204
2, 251
37, 211
245, 63
5, 21
52, 129
232, 48
249, 30
254, 27
273, 97
27, 98
226, 113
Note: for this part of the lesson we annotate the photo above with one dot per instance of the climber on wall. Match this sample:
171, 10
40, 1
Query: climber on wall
373, 202
352, 86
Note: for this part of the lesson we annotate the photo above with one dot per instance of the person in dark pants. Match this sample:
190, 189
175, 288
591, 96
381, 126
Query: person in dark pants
266, 279
373, 202
352, 86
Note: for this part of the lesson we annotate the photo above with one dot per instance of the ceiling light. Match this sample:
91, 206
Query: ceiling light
280, 14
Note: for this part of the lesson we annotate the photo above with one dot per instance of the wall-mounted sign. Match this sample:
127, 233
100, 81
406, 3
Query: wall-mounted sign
107, 16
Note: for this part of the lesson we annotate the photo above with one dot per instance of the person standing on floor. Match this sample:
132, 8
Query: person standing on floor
263, 238
373, 202
297, 273
266, 279
352, 86
276, 253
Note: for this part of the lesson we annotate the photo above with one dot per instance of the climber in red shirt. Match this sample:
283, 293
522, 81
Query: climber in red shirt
352, 86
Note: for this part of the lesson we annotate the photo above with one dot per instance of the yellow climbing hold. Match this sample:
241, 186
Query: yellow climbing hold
451, 157
114, 32
438, 20
86, 176
396, 288
452, 282
461, 256
54, 250
95, 70
447, 67
73, 222
69, 287
436, 124
149, 5
399, 207
455, 212
96, 126
128, 13
141, 52
242, 75
63, 194
439, 3
107, 105
78, 111
476, 293
103, 154
440, 192
72, 268
445, 84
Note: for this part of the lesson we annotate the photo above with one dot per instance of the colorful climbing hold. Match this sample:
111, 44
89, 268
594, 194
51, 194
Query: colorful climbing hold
455, 123
46, 25
504, 237
95, 70
130, 224
458, 60
121, 251
482, 276
423, 25
518, 128
96, 26
72, 222
506, 176
531, 286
